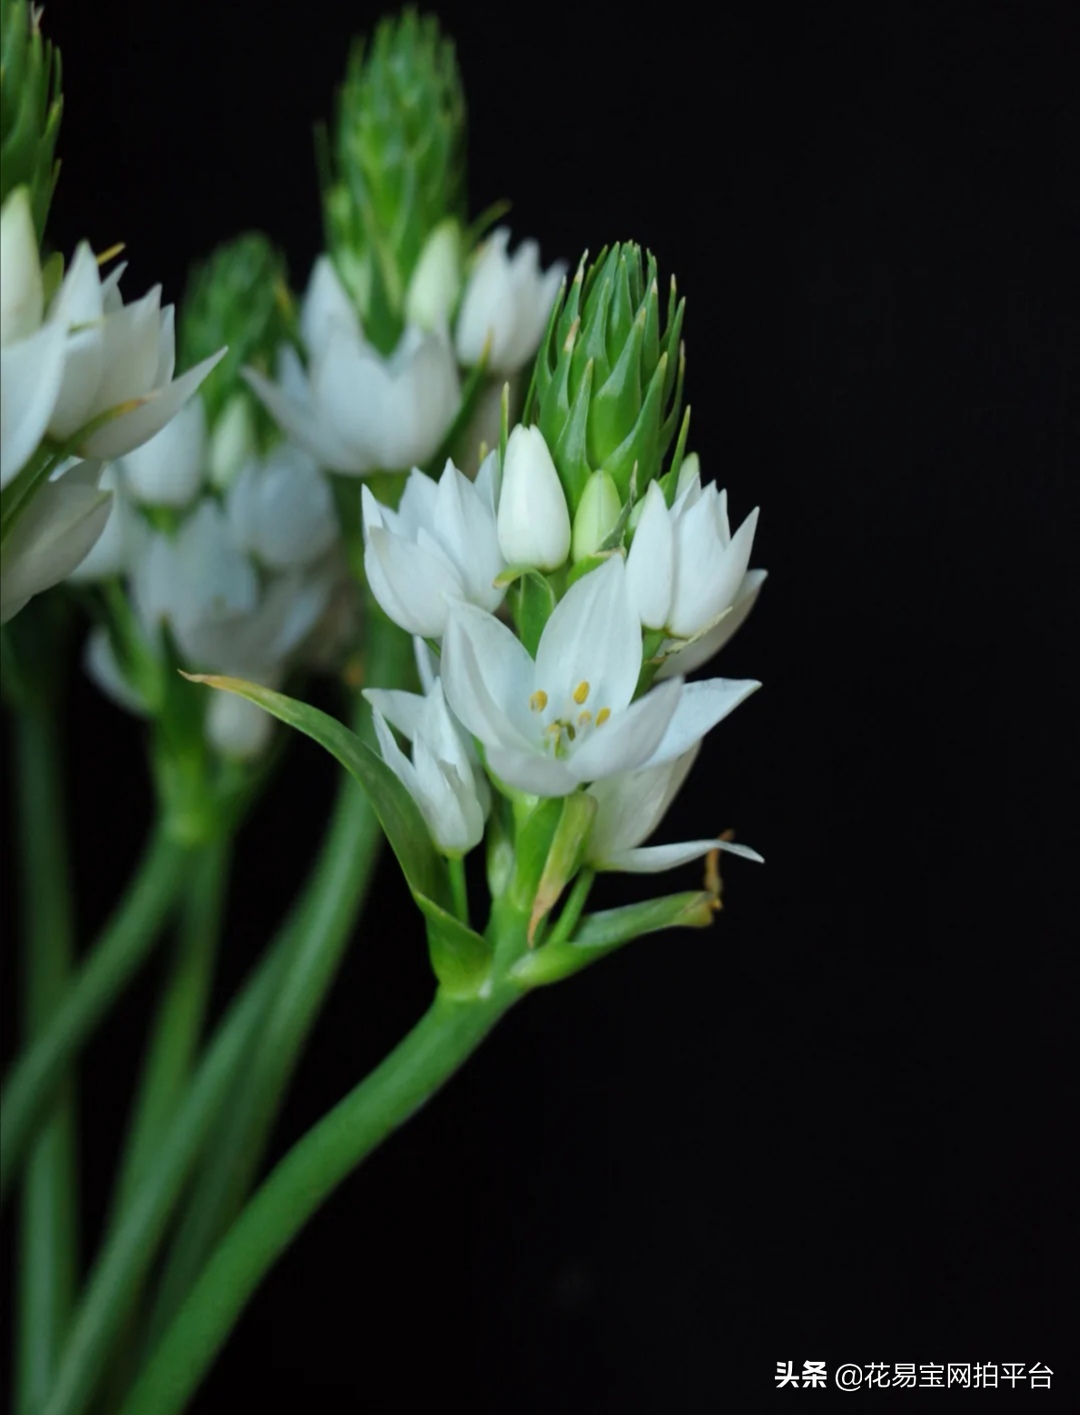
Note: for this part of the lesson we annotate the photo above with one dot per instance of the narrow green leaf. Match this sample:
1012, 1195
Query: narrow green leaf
564, 855
460, 958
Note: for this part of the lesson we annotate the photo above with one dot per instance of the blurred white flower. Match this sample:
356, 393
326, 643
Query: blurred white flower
440, 546
506, 304
168, 469
122, 541
281, 509
355, 410
435, 282
55, 531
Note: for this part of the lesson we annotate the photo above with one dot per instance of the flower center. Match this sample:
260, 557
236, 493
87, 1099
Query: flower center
563, 730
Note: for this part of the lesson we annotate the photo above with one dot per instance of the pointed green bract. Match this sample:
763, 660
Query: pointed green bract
607, 386
30, 107
394, 165
238, 297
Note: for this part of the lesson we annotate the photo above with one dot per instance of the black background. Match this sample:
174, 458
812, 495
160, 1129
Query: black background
835, 1126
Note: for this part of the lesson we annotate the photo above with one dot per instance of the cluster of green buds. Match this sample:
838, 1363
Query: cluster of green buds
394, 167
607, 391
239, 297
30, 106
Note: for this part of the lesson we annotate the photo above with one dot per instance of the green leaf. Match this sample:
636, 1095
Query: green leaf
531, 848
460, 958
398, 813
534, 604
600, 934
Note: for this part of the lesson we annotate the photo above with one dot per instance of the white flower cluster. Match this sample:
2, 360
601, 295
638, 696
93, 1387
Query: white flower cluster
357, 411
241, 580
85, 371
572, 715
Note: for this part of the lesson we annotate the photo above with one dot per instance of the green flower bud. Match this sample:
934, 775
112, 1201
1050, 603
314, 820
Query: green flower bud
597, 516
607, 387
30, 106
238, 297
394, 167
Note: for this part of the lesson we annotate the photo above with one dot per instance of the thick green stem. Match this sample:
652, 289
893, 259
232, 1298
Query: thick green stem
459, 888
440, 1042
48, 1218
116, 1279
178, 1025
109, 966
321, 929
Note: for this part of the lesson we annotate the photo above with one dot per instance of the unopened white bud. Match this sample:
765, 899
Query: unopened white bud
436, 280
533, 522
597, 515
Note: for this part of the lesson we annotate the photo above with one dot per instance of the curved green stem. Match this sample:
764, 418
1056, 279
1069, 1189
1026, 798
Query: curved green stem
321, 929
113, 960
179, 1021
116, 1279
48, 1219
440, 1042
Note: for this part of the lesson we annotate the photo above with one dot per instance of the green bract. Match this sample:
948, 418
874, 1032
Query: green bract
30, 106
239, 297
607, 387
394, 166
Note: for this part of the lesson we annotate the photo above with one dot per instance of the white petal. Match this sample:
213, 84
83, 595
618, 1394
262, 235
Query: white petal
51, 537
30, 379
236, 727
650, 859
311, 430
167, 469
21, 291
131, 430
533, 521
102, 668
592, 637
326, 307
701, 706
630, 738
650, 565
632, 804
701, 649
488, 678
412, 585
531, 772
402, 710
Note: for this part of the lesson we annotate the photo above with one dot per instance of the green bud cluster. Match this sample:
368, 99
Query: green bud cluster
238, 297
30, 107
607, 386
394, 166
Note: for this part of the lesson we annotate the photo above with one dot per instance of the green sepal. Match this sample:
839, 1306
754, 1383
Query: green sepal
531, 845
617, 404
570, 449
532, 605
597, 935
460, 958
398, 814
564, 857
642, 447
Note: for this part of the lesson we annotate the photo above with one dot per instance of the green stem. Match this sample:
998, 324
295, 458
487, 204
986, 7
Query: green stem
117, 1277
321, 928
179, 1022
48, 1218
440, 1042
459, 889
125, 943
571, 910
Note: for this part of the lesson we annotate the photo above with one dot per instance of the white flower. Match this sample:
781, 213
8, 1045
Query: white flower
356, 411
237, 727
281, 510
568, 718
168, 469
440, 546
91, 355
534, 523
122, 541
687, 574
197, 574
508, 300
441, 777
629, 808
52, 535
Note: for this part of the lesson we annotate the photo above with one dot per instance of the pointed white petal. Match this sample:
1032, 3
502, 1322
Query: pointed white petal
632, 804
592, 637
402, 710
629, 738
30, 380
488, 679
531, 772
701, 649
412, 585
312, 431
650, 565
131, 430
701, 706
21, 291
650, 859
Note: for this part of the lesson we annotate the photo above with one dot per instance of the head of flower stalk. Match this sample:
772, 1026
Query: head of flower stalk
239, 297
30, 108
394, 165
607, 383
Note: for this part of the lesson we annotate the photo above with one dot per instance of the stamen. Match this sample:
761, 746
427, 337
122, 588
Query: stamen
570, 731
539, 700
581, 692
584, 718
602, 716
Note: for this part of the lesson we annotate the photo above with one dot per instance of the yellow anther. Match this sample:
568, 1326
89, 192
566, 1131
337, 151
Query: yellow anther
539, 700
110, 253
555, 729
581, 692
602, 716
584, 718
